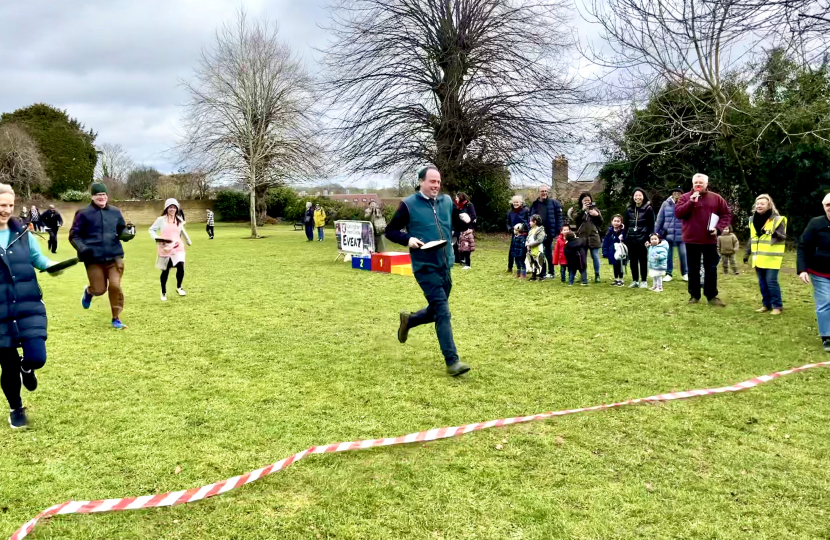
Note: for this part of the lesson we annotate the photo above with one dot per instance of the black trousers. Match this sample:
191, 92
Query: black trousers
209, 229
548, 244
638, 255
709, 254
166, 272
52, 244
34, 357
618, 270
464, 257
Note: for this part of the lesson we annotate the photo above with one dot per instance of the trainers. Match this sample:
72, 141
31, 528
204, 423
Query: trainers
17, 418
29, 379
826, 344
762, 309
685, 277
597, 280
634, 285
776, 311
716, 302
181, 292
403, 328
583, 284
667, 277
118, 325
457, 368
86, 299
644, 284
694, 300
466, 268
163, 297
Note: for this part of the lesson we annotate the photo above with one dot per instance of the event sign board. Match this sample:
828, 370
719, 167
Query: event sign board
355, 237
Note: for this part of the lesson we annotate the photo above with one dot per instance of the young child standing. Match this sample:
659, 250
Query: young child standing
559, 251
727, 248
615, 250
658, 260
518, 249
535, 250
576, 254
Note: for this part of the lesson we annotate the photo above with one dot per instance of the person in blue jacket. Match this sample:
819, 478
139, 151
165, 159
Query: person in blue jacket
551, 213
22, 312
615, 250
426, 216
670, 229
518, 213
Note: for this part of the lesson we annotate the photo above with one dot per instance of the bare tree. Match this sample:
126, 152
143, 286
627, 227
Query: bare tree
458, 83
113, 162
691, 52
251, 112
21, 164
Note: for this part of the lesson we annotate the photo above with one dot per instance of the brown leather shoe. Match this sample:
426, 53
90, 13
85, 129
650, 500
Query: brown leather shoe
716, 302
403, 329
776, 311
762, 309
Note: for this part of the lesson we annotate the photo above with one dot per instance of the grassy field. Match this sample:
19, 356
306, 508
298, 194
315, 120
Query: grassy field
277, 348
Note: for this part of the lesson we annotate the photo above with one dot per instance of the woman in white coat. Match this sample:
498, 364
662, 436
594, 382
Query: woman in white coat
168, 232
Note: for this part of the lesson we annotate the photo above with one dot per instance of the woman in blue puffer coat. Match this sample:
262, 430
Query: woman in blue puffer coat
670, 229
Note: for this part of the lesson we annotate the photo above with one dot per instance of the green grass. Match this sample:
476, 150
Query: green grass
277, 348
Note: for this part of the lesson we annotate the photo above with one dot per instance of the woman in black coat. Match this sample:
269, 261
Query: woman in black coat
639, 224
463, 225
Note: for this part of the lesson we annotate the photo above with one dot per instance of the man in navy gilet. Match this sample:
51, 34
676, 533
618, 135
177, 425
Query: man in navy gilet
425, 217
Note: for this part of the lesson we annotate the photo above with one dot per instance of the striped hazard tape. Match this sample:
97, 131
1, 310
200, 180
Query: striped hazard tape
192, 495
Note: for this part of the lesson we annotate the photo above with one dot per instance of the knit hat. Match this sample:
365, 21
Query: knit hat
98, 187
677, 190
169, 202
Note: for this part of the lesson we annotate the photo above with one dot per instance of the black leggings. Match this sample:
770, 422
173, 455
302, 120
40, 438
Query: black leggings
34, 357
618, 270
638, 255
166, 272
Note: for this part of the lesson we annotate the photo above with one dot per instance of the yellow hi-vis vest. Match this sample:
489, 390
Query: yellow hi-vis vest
765, 254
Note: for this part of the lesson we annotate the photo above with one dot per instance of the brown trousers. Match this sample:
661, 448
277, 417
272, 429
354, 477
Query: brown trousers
104, 277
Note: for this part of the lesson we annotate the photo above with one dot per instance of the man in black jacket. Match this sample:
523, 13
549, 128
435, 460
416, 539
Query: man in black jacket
54, 221
551, 213
96, 234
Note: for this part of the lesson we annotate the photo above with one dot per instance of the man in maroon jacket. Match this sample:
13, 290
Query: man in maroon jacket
700, 233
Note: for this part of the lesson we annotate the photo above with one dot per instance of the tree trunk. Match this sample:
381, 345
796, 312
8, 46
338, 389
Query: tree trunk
253, 203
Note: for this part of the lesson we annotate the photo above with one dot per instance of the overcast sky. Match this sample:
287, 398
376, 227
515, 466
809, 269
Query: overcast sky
115, 65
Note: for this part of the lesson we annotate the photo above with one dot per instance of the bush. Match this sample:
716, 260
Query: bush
279, 200
73, 195
232, 205
334, 209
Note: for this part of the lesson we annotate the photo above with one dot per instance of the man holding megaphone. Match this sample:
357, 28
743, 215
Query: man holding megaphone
704, 215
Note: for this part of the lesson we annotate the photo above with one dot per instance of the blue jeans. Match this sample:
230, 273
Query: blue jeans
595, 256
770, 290
34, 357
437, 285
821, 295
562, 270
681, 254
319, 233
572, 274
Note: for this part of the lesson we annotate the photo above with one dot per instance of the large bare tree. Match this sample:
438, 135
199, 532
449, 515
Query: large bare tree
113, 162
250, 115
463, 84
694, 54
21, 163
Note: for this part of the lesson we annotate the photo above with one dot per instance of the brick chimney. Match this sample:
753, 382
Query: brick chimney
559, 185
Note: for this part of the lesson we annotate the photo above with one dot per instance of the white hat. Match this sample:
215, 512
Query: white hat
170, 201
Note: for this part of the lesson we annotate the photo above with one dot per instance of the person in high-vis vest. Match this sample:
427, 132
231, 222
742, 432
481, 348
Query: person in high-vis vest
767, 235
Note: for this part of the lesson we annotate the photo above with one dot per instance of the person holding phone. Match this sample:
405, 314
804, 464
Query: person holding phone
426, 217
704, 215
588, 221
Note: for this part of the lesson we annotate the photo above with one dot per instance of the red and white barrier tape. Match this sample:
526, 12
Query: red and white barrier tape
197, 494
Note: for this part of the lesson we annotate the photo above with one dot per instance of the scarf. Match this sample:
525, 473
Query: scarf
460, 205
759, 220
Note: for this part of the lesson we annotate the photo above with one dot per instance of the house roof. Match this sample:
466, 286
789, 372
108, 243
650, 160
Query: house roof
591, 172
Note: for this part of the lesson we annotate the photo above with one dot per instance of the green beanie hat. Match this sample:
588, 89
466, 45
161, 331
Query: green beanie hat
98, 187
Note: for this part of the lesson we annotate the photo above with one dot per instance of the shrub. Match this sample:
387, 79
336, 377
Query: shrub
74, 195
279, 200
231, 205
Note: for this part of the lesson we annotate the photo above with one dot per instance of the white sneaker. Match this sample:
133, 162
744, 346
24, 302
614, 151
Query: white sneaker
181, 292
163, 297
634, 285
685, 277
466, 268
644, 284
667, 278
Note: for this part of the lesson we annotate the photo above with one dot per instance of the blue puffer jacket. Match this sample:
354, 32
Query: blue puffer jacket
22, 313
517, 245
658, 256
608, 242
668, 226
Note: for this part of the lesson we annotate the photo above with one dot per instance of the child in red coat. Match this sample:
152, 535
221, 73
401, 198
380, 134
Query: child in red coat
559, 251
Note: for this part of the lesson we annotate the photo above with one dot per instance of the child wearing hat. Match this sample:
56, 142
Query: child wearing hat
168, 232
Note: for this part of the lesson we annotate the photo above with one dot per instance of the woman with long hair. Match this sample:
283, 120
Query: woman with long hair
464, 221
767, 234
168, 232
